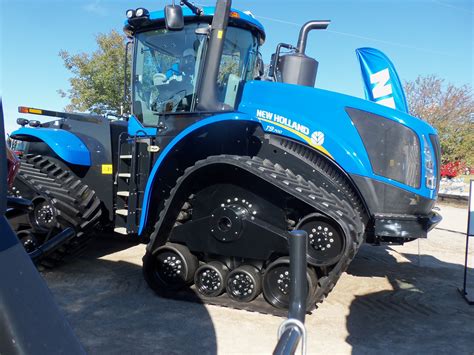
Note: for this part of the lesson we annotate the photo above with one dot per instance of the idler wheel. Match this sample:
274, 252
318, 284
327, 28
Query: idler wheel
210, 278
174, 266
43, 216
326, 243
276, 283
244, 283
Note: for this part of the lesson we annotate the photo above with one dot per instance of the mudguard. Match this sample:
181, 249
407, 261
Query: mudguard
65, 144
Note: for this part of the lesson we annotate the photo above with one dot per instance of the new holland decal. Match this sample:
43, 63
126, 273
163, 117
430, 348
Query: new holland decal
315, 139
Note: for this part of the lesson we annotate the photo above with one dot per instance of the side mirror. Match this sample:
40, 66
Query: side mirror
271, 68
260, 67
174, 19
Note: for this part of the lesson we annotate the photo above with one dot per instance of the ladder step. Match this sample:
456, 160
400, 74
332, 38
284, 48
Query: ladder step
126, 156
123, 193
127, 175
120, 230
122, 212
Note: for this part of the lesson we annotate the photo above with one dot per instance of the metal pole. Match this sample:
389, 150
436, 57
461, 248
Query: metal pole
298, 284
292, 330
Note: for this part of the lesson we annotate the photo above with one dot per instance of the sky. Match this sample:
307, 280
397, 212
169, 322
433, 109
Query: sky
421, 37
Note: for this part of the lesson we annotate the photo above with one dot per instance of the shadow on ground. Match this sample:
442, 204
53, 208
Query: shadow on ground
424, 311
112, 310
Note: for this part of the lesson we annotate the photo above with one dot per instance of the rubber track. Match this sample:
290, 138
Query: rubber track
76, 204
341, 211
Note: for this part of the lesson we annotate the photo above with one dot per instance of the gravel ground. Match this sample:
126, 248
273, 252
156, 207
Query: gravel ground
393, 299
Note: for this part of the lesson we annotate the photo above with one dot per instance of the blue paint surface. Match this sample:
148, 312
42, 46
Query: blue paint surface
64, 143
135, 128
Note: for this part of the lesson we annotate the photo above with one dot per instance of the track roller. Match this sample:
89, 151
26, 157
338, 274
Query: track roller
326, 244
210, 278
28, 240
276, 283
174, 266
244, 283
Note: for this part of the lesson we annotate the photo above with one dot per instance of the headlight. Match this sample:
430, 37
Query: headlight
430, 177
130, 13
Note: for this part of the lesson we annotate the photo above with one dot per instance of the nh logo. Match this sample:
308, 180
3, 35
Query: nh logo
381, 91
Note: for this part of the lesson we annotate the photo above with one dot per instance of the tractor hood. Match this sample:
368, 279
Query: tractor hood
325, 120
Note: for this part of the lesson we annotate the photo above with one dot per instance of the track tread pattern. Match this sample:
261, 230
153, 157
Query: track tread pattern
340, 210
76, 204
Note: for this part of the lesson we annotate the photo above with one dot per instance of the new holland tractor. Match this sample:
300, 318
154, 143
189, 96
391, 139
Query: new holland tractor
216, 164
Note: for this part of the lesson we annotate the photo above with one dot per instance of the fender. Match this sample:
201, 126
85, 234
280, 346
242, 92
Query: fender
65, 144
179, 138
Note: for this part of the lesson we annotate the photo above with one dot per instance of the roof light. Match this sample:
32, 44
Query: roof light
130, 13
22, 121
234, 14
23, 109
35, 123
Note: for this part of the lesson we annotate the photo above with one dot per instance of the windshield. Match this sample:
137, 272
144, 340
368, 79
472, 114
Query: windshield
167, 64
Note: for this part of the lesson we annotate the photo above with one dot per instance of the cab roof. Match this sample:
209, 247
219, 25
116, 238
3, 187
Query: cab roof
237, 17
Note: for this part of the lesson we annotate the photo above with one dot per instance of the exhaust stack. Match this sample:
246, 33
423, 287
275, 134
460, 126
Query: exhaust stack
297, 68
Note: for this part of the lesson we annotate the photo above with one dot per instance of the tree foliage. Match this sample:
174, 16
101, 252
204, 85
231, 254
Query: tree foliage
98, 78
450, 110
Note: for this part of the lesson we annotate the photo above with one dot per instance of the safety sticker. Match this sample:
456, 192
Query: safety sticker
107, 169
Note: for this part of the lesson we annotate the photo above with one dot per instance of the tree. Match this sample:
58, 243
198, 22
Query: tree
449, 109
98, 78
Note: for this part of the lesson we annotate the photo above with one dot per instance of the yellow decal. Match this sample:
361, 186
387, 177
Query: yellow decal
107, 169
220, 33
299, 134
35, 110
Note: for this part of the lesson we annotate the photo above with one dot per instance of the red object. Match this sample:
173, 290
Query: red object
13, 164
452, 169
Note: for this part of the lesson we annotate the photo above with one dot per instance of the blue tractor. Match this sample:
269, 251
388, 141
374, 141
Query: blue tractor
216, 164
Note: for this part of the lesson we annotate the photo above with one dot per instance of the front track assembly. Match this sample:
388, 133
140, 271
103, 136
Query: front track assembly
232, 248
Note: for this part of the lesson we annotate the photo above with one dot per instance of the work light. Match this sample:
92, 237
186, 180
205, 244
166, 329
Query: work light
130, 13
141, 12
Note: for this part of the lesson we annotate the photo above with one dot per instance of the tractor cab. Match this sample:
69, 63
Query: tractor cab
195, 67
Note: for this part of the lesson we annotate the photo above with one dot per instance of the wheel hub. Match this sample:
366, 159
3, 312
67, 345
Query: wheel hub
284, 282
44, 215
325, 243
241, 285
170, 266
227, 220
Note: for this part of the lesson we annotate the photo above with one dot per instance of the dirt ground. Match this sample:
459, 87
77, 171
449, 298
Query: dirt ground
391, 300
